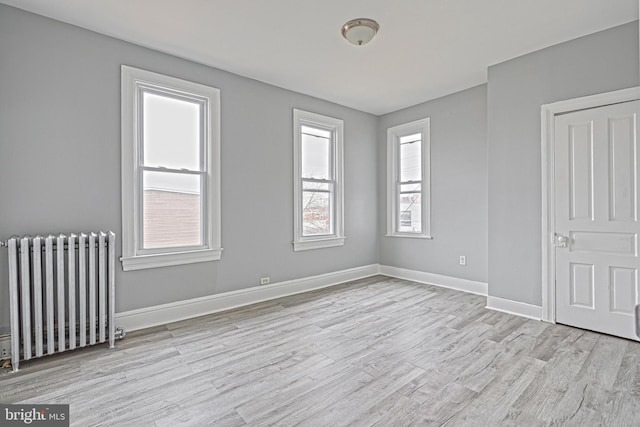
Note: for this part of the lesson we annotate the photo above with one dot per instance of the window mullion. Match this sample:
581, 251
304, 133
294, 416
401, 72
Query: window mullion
397, 205
170, 170
204, 210
332, 194
316, 180
204, 130
308, 190
139, 220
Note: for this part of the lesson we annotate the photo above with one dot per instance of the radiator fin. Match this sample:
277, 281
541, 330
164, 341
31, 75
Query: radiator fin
25, 295
37, 293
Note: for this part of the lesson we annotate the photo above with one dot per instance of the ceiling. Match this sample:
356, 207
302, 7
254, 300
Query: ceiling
424, 49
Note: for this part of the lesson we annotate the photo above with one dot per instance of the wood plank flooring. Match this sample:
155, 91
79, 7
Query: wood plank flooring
376, 352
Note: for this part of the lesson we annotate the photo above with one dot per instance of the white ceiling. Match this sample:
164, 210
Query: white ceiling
424, 49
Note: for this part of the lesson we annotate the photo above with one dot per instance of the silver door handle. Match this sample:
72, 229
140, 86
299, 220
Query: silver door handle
562, 241
638, 320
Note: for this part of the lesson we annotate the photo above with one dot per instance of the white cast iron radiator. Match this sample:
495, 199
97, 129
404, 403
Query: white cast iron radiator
62, 293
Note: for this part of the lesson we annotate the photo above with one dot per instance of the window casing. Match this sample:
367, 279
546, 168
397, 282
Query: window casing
408, 180
318, 186
170, 171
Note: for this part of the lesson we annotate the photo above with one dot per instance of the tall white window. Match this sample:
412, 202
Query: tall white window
170, 171
318, 188
408, 180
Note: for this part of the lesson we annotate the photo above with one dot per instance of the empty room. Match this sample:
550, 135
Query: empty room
319, 213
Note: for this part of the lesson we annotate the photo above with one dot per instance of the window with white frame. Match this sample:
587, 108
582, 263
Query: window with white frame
170, 171
408, 180
318, 187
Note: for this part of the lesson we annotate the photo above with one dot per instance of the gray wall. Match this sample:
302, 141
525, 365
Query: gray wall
600, 62
458, 188
60, 161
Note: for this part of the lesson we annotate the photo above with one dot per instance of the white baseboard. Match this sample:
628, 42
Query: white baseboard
187, 309
470, 286
515, 307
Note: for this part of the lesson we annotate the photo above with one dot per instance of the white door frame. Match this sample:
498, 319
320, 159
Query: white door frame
549, 111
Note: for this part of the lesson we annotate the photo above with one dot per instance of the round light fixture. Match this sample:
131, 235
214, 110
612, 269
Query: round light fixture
360, 31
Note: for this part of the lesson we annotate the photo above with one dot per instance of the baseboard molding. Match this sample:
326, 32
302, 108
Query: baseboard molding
470, 286
515, 307
187, 309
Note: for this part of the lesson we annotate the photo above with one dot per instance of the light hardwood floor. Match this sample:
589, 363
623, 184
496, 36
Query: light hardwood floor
378, 351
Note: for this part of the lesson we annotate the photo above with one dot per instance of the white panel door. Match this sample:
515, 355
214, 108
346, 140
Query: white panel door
596, 217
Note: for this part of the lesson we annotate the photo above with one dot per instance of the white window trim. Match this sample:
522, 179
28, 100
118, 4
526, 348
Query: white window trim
132, 258
393, 138
336, 127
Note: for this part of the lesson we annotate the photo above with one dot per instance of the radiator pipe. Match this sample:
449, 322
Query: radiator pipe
120, 333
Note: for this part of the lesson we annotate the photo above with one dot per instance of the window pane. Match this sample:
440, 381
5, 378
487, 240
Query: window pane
410, 215
171, 132
316, 213
171, 210
410, 158
316, 152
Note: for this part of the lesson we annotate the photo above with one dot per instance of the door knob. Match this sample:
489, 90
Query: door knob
562, 241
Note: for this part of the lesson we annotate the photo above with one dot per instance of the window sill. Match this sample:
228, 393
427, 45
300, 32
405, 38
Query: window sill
410, 236
306, 245
141, 262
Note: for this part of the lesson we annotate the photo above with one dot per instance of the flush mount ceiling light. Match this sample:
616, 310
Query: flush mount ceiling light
360, 31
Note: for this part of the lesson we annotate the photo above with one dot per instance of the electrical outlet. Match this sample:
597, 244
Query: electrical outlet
5, 347
265, 280
463, 260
